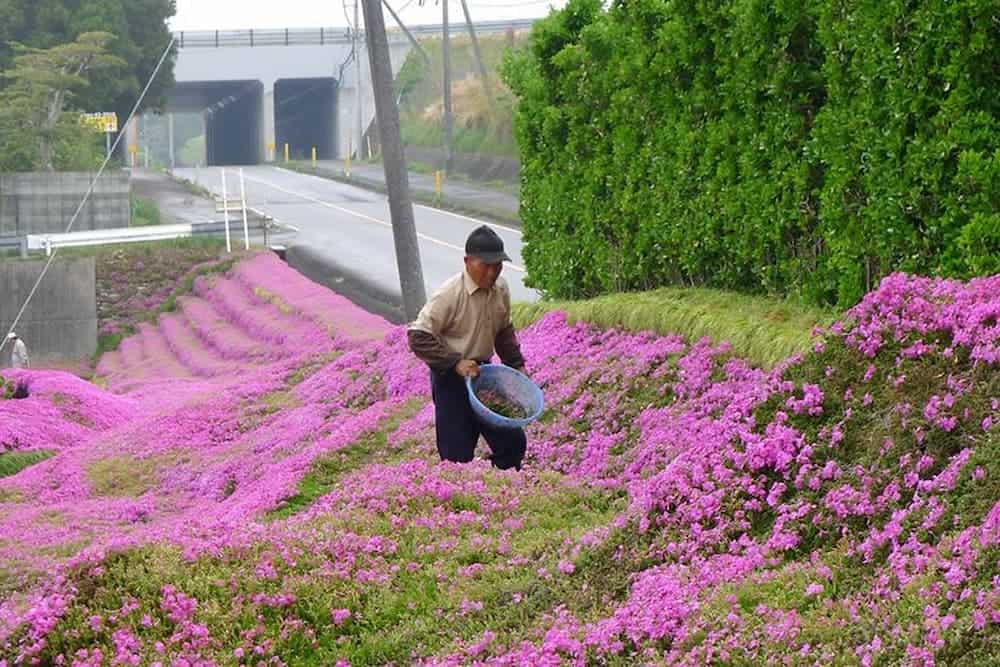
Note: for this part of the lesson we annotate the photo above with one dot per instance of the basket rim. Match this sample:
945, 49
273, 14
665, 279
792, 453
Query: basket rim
523, 421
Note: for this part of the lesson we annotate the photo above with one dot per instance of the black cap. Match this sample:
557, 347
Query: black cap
486, 244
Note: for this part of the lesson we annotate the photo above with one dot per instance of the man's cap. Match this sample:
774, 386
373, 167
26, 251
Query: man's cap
11, 336
485, 244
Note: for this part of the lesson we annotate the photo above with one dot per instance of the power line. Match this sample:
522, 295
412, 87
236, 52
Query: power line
347, 17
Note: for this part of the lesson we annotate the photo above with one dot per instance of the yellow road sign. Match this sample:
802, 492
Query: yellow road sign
102, 122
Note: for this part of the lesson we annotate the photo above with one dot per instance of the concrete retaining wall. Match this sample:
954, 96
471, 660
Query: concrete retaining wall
44, 203
60, 324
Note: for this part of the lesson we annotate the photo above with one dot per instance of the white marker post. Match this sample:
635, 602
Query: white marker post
225, 211
243, 201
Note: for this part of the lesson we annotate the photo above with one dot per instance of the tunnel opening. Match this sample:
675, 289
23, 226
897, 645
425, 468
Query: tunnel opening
232, 118
305, 117
232, 126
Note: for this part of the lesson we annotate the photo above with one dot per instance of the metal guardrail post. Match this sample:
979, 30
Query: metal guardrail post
251, 37
286, 36
216, 39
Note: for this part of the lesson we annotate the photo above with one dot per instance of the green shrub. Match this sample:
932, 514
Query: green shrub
795, 148
144, 212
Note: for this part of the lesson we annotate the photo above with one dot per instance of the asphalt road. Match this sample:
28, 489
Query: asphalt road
352, 227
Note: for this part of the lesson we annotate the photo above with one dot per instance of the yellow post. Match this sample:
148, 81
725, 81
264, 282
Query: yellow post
437, 182
314, 156
286, 151
347, 163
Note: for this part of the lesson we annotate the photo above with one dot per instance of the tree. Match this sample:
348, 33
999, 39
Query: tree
140, 36
40, 83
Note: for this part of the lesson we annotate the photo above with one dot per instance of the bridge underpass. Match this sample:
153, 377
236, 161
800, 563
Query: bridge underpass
265, 88
232, 117
305, 114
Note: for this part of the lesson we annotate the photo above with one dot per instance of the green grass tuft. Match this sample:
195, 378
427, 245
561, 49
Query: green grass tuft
122, 476
761, 329
12, 463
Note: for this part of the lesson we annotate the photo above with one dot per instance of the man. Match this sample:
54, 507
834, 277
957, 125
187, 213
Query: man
458, 329
19, 352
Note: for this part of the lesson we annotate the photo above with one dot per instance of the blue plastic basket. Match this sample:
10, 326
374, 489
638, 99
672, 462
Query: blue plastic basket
516, 387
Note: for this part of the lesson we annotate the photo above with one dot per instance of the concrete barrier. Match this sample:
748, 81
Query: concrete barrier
60, 323
44, 203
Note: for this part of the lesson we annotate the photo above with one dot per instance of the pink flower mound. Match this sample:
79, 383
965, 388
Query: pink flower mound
61, 411
262, 312
266, 273
930, 316
838, 505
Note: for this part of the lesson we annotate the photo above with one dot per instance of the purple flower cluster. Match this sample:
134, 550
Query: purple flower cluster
837, 505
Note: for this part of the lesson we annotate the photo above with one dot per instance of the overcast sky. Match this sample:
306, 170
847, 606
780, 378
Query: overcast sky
240, 14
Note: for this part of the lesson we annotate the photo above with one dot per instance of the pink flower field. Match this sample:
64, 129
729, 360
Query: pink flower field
252, 480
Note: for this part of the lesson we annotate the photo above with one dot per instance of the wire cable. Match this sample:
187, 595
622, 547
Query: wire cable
90, 191
347, 17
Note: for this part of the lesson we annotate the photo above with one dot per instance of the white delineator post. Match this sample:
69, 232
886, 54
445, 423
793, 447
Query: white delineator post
243, 201
225, 211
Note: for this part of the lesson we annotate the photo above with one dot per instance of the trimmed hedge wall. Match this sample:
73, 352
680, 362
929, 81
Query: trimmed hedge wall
780, 146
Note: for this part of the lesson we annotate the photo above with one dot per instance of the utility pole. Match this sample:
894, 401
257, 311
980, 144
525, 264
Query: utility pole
477, 51
449, 147
358, 132
404, 231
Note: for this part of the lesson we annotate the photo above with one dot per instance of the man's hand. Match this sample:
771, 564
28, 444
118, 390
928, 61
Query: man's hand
467, 368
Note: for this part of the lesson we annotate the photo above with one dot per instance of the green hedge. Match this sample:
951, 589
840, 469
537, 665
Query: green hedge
791, 147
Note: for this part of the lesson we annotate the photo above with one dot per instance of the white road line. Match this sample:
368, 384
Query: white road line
477, 221
299, 173
362, 216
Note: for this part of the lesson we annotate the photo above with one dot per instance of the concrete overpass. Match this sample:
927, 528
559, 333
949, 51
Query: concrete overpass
257, 90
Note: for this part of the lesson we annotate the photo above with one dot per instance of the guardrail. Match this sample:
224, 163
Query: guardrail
8, 243
187, 39
49, 242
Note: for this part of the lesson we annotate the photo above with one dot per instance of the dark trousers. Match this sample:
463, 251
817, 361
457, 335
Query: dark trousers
458, 429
